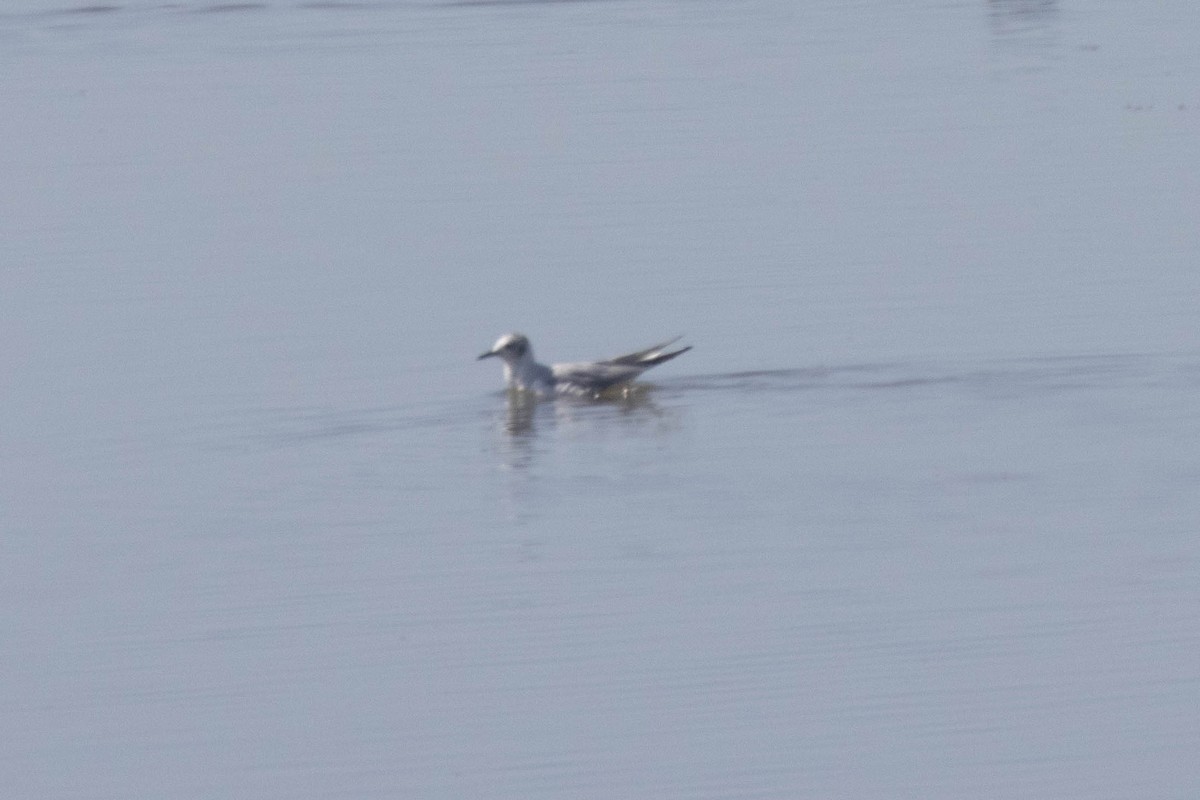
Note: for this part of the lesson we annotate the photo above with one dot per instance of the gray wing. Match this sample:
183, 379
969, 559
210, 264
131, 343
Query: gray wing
594, 377
600, 375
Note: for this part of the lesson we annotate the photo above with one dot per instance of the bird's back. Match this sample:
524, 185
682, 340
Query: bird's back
592, 377
596, 376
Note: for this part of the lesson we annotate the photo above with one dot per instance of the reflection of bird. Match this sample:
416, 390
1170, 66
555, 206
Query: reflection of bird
588, 378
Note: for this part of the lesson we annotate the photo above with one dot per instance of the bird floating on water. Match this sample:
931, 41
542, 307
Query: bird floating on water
580, 379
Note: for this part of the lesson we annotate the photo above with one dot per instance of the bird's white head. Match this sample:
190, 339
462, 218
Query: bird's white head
511, 348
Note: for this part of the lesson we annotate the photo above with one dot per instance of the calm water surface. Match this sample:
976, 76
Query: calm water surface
916, 518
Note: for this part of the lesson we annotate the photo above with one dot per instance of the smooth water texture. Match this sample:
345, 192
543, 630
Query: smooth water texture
916, 517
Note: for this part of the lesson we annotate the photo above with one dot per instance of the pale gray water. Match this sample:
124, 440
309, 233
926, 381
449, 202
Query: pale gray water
916, 518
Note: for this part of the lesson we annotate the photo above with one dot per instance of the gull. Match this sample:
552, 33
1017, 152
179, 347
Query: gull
582, 379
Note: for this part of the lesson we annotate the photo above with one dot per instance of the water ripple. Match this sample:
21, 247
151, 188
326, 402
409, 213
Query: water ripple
1008, 375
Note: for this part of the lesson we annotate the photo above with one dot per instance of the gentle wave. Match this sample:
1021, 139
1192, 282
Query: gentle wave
34, 15
1009, 375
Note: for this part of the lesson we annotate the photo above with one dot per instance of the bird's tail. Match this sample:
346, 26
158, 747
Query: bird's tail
651, 355
655, 358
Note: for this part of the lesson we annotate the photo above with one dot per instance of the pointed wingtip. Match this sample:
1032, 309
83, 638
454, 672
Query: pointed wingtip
654, 359
668, 342
660, 350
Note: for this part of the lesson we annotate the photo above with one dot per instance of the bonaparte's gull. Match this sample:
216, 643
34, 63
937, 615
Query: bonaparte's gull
587, 378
